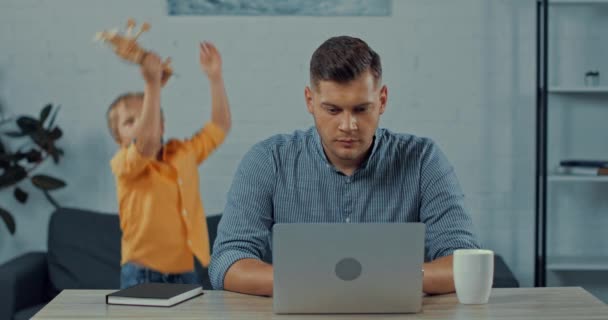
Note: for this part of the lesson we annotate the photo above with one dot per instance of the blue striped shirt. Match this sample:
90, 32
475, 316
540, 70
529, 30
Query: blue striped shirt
288, 179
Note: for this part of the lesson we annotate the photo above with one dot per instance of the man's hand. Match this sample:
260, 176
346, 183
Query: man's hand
152, 69
210, 60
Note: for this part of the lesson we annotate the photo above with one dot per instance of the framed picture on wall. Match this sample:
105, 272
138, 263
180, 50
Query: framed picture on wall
279, 7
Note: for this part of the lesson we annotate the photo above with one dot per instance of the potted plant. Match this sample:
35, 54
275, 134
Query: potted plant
38, 137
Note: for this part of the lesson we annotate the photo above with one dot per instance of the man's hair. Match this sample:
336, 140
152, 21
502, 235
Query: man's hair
343, 59
111, 113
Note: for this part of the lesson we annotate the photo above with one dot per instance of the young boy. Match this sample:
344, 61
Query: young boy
161, 214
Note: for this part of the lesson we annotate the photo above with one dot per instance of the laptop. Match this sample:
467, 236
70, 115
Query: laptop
348, 268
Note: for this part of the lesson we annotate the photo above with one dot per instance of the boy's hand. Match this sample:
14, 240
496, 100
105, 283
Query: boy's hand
152, 68
210, 59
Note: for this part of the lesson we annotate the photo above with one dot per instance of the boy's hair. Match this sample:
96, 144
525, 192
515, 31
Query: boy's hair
111, 114
343, 59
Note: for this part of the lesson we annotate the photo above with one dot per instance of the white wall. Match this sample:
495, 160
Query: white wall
461, 72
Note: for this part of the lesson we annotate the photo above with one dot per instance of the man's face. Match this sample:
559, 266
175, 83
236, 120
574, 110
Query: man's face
127, 115
346, 116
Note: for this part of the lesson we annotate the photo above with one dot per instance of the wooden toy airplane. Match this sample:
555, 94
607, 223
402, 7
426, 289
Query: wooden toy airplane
125, 46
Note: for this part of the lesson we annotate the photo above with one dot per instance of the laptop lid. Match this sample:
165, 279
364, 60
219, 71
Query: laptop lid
348, 268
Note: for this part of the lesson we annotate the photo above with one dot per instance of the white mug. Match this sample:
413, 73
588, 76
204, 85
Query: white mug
473, 275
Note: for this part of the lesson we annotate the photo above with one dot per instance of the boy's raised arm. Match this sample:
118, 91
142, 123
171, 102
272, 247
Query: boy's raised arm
211, 64
148, 131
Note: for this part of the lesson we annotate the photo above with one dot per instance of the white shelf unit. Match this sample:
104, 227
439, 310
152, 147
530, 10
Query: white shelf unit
578, 263
576, 178
578, 90
572, 126
579, 2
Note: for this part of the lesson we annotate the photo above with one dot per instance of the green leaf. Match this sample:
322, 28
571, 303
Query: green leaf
8, 220
20, 195
55, 157
28, 124
48, 196
19, 156
15, 134
52, 122
41, 138
12, 175
33, 156
44, 113
44, 182
55, 153
56, 133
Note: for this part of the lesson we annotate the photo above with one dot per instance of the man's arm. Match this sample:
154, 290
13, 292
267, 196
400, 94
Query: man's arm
251, 276
148, 126
211, 64
448, 225
244, 230
438, 276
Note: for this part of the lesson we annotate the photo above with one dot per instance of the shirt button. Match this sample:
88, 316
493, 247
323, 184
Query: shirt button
189, 243
179, 181
347, 220
184, 213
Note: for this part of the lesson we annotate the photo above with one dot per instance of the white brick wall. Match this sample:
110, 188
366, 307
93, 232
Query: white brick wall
461, 72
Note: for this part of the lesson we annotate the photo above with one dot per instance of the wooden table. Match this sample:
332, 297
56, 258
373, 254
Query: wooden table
522, 303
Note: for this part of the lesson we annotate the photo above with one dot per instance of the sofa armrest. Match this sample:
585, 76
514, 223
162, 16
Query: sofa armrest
23, 282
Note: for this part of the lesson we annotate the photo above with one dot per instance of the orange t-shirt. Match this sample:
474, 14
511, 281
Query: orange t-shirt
161, 214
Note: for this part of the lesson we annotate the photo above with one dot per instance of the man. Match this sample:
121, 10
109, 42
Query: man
345, 170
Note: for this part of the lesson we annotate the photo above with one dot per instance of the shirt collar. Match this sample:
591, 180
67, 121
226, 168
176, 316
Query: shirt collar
319, 149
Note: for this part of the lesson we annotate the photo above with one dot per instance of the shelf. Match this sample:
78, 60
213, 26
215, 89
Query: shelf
581, 263
580, 178
577, 2
578, 90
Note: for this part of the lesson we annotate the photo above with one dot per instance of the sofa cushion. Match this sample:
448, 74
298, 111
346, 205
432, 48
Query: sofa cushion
84, 250
503, 277
203, 273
